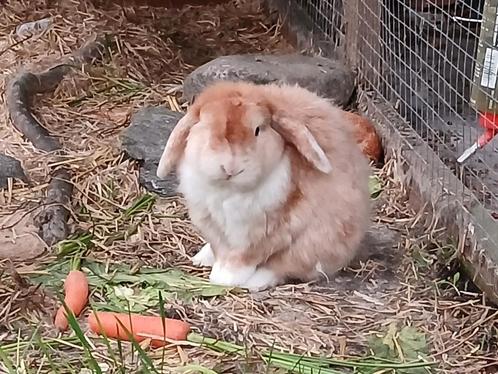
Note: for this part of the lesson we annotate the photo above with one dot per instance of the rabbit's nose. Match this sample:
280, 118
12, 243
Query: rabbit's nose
229, 172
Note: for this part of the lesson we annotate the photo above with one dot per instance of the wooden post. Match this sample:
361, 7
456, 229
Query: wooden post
351, 26
363, 38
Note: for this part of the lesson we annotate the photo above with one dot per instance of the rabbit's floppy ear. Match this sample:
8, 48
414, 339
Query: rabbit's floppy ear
175, 145
298, 135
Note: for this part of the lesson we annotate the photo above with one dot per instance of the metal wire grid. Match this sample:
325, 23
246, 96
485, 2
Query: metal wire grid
327, 16
421, 59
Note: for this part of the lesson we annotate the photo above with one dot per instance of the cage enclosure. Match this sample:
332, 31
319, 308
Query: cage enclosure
426, 74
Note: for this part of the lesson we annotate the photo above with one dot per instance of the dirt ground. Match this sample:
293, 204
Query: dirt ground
407, 302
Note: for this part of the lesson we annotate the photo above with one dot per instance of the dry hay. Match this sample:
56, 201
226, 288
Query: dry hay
407, 284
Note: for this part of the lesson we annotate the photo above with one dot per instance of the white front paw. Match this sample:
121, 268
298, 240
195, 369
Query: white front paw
226, 275
262, 279
205, 256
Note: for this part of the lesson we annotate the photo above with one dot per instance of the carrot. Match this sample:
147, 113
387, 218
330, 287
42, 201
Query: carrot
366, 136
140, 327
76, 297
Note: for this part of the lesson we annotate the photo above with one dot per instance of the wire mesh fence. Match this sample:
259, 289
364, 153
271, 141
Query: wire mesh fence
420, 57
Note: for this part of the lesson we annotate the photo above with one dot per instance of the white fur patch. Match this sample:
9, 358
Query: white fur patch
319, 270
262, 279
205, 256
226, 275
238, 213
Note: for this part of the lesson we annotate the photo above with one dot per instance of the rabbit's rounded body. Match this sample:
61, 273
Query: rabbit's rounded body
296, 202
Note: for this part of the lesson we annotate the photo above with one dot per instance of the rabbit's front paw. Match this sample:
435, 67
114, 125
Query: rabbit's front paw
205, 256
262, 279
233, 276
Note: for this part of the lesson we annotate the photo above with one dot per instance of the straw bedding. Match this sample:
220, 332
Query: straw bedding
413, 281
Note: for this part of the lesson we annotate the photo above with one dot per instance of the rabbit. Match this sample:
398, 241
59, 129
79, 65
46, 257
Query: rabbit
273, 179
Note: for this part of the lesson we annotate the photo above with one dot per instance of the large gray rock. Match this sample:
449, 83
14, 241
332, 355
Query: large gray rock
10, 168
326, 77
144, 140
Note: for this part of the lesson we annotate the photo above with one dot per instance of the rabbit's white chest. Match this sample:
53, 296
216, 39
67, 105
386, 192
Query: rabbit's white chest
241, 215
238, 215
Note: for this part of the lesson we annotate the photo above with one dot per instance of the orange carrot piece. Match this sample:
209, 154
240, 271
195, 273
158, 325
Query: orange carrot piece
138, 326
76, 297
366, 136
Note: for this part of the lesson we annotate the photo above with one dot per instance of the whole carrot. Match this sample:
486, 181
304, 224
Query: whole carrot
140, 327
76, 297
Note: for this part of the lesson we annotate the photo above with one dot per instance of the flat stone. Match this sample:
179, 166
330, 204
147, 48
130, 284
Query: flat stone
147, 177
326, 77
148, 132
144, 141
10, 168
19, 239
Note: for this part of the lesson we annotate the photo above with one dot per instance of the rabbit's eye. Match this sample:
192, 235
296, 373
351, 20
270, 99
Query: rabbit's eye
256, 132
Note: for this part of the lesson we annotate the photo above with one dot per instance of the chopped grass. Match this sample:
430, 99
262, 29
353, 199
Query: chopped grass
50, 343
307, 365
172, 282
375, 186
109, 88
83, 241
123, 288
47, 350
195, 369
6, 361
76, 243
143, 204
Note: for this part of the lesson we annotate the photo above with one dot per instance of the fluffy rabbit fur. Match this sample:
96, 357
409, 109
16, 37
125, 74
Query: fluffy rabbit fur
273, 179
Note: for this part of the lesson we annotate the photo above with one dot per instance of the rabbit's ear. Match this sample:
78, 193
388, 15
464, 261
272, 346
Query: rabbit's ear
175, 146
298, 135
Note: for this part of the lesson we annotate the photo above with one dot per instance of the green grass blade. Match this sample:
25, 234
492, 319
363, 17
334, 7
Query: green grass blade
74, 244
142, 204
52, 343
28, 344
7, 362
270, 357
73, 323
302, 367
298, 364
131, 324
120, 350
162, 313
146, 361
215, 345
107, 343
43, 347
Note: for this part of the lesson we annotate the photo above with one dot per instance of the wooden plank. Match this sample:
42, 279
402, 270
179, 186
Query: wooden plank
369, 44
352, 28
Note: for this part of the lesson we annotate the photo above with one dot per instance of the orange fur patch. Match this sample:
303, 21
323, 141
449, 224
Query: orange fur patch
225, 102
236, 132
228, 120
292, 200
